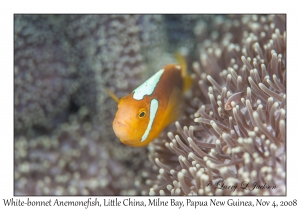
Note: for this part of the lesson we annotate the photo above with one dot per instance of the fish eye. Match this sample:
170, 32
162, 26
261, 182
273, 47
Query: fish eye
142, 113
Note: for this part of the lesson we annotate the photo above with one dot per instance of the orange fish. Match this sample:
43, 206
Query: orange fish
146, 111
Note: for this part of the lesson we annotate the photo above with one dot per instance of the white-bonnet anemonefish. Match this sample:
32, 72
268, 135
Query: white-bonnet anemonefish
146, 111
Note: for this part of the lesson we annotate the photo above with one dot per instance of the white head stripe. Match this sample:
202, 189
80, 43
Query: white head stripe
178, 67
147, 87
153, 110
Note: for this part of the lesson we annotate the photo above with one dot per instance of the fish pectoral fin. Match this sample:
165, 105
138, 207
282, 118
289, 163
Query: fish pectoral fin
112, 95
174, 108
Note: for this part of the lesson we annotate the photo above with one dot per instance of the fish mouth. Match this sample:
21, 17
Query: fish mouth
121, 129
120, 123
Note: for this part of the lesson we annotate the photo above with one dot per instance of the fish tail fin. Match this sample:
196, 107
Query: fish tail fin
187, 79
112, 95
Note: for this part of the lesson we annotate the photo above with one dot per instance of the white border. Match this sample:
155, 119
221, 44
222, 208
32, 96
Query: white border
187, 6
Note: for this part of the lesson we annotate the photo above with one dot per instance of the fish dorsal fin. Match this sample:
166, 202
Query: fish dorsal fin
174, 107
112, 95
182, 62
187, 79
187, 83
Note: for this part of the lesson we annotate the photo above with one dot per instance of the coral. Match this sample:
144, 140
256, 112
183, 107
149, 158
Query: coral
44, 73
63, 63
235, 127
234, 122
74, 160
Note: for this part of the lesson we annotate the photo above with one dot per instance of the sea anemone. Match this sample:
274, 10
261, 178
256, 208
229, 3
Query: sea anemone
234, 130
